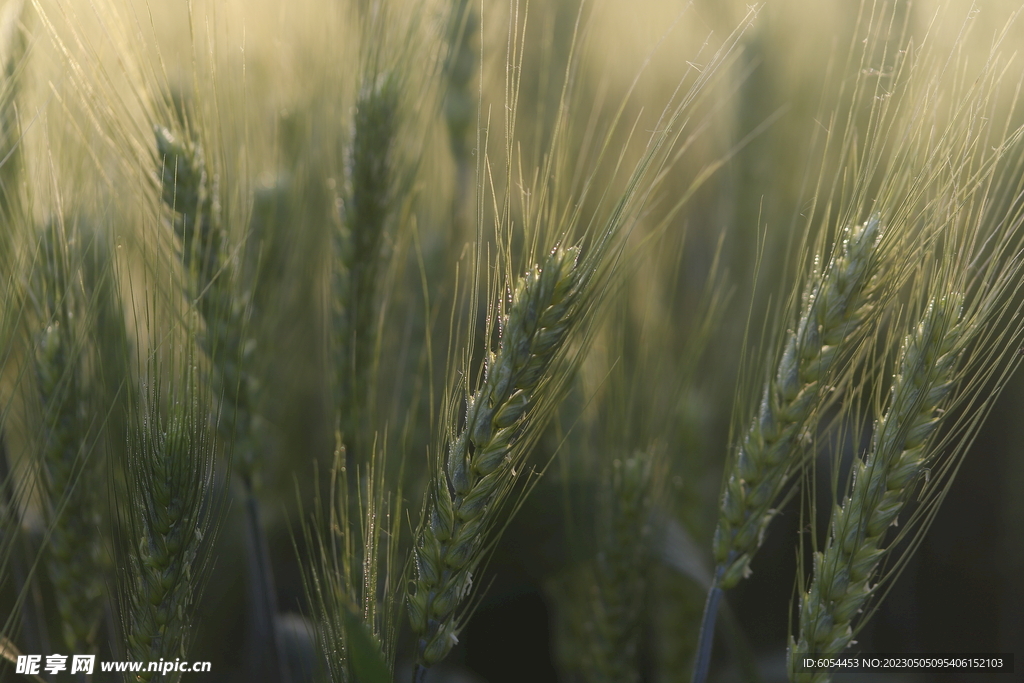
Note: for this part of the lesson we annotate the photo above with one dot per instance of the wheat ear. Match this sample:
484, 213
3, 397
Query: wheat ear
882, 483
835, 308
350, 569
188, 191
13, 48
367, 208
460, 64
464, 496
168, 509
74, 552
619, 571
838, 302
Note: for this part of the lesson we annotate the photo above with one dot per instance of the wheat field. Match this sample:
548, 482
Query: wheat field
493, 340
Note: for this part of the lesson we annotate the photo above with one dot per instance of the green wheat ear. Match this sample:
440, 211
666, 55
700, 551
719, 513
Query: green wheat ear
460, 65
882, 483
189, 192
168, 515
466, 495
74, 558
367, 210
620, 571
835, 309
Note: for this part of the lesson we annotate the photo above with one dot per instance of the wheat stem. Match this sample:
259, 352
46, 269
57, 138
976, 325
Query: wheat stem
706, 637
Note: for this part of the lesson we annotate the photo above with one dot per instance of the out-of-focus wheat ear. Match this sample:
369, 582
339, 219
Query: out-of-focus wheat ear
13, 49
17, 558
460, 102
368, 206
16, 553
169, 517
465, 495
620, 571
188, 191
883, 480
67, 459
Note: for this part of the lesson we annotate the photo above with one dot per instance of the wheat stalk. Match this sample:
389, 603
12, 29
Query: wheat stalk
188, 191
